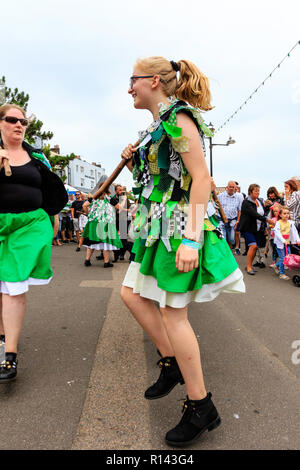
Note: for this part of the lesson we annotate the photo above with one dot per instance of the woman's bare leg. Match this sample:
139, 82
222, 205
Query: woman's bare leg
186, 349
13, 313
149, 317
89, 253
106, 254
250, 256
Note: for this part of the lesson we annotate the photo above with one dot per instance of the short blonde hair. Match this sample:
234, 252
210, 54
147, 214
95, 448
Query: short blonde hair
192, 86
6, 107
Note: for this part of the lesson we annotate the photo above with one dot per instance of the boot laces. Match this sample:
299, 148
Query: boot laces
164, 363
7, 365
187, 410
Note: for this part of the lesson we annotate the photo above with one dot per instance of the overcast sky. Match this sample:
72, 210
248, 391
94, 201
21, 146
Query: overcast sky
74, 59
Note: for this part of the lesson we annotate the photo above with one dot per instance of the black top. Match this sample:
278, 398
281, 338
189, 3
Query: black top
22, 191
249, 216
77, 206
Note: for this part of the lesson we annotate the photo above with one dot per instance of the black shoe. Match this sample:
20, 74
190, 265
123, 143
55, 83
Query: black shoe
77, 249
8, 368
169, 377
108, 265
198, 416
2, 339
65, 241
87, 263
251, 272
259, 265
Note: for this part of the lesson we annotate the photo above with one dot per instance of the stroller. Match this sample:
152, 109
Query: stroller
293, 262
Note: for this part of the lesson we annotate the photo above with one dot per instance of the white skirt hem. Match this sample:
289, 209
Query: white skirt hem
102, 246
146, 286
17, 288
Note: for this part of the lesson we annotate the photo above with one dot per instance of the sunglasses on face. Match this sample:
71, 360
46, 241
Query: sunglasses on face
14, 120
133, 79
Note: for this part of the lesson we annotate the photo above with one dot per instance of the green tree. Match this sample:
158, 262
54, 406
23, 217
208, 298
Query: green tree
58, 162
34, 128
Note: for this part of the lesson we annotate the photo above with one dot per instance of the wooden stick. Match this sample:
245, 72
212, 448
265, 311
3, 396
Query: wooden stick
110, 179
113, 176
6, 165
220, 208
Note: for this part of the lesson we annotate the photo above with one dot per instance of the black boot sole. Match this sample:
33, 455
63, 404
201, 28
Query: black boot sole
5, 381
181, 382
209, 427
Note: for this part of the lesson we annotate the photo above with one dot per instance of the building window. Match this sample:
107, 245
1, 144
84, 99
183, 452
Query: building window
92, 172
77, 168
82, 182
81, 169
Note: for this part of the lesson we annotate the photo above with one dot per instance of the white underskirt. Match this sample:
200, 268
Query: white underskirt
147, 287
17, 288
102, 246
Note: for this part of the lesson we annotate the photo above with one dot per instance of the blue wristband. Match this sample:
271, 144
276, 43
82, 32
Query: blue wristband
190, 243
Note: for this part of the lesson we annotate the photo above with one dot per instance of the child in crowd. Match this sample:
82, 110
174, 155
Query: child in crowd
285, 233
274, 213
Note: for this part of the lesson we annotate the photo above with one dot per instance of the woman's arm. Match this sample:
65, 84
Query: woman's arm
85, 207
291, 203
194, 161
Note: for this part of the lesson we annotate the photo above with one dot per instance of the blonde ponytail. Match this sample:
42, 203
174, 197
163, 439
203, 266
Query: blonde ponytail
193, 86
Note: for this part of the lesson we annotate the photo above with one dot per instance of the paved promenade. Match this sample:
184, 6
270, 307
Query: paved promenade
84, 365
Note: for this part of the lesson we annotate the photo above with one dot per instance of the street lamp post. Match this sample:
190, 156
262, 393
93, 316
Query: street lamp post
211, 145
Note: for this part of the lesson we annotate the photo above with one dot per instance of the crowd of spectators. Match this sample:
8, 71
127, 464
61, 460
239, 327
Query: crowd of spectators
274, 222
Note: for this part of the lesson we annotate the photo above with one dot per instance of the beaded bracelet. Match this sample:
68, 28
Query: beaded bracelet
190, 243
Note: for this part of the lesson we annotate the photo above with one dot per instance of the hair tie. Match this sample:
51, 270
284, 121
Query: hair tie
174, 66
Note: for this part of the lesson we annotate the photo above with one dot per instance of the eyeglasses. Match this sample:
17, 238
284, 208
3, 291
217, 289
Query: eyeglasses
135, 77
14, 120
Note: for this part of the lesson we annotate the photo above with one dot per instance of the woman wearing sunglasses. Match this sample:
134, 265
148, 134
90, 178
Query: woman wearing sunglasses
180, 255
29, 195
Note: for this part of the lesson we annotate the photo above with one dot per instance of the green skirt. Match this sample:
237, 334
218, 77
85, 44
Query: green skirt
101, 235
25, 247
154, 275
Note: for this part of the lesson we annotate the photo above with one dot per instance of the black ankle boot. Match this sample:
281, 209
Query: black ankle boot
198, 416
8, 368
169, 377
108, 265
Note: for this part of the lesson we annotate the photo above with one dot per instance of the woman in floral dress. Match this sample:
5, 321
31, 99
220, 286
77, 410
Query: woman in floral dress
100, 232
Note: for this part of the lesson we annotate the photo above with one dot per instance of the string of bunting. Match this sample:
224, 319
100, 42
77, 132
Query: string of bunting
256, 89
